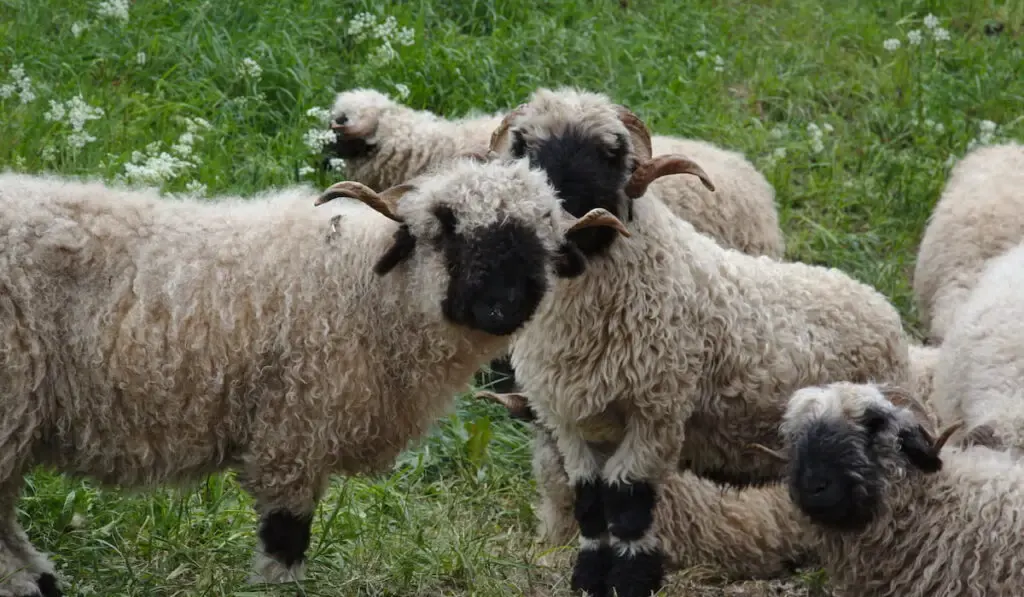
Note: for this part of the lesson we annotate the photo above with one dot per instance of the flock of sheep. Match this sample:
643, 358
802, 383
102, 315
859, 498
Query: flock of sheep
696, 399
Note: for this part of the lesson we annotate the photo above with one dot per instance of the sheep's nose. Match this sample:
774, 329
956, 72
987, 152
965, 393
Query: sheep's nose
819, 486
340, 119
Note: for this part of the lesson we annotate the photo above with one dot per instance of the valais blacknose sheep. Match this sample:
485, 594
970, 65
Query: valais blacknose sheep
979, 377
145, 340
889, 511
670, 351
979, 215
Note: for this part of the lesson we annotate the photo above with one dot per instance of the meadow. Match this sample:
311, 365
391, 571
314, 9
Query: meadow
855, 111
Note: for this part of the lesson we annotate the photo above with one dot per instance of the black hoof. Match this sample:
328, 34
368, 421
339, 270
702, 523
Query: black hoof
636, 576
629, 509
589, 574
47, 584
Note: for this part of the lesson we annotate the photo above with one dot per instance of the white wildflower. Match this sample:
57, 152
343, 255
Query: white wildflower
779, 153
700, 53
7, 90
940, 34
828, 127
79, 139
17, 72
336, 163
21, 84
79, 112
27, 95
140, 58
193, 125
156, 166
817, 146
777, 132
914, 37
931, 21
250, 68
403, 90
115, 9
406, 36
195, 188
48, 153
892, 44
78, 27
719, 63
360, 25
939, 127
316, 139
386, 30
382, 55
813, 130
305, 170
987, 126
182, 149
321, 114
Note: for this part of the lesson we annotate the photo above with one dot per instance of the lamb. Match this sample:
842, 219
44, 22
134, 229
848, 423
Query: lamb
273, 338
750, 533
979, 215
979, 377
890, 512
384, 143
686, 349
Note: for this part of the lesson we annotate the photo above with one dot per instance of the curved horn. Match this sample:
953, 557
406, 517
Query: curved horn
664, 165
598, 217
945, 435
499, 134
385, 202
900, 397
353, 130
638, 132
773, 453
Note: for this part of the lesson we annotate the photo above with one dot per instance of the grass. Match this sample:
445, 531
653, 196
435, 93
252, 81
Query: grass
454, 517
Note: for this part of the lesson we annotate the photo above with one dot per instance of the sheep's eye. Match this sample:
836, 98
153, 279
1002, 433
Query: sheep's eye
873, 421
518, 148
446, 217
617, 151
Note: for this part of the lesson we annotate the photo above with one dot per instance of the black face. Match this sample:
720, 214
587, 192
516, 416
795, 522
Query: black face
586, 173
496, 274
347, 149
835, 478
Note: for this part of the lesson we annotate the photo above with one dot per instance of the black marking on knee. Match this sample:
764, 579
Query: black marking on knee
589, 510
629, 508
47, 585
286, 536
591, 571
637, 575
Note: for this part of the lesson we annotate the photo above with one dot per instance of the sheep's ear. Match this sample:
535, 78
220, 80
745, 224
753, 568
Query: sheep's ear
386, 203
663, 165
983, 435
570, 261
500, 133
518, 405
479, 154
401, 248
920, 449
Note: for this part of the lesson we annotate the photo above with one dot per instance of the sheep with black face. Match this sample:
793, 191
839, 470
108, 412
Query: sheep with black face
670, 351
145, 340
891, 512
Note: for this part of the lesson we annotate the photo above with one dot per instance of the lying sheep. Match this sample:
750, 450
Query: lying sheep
686, 350
891, 513
979, 377
145, 341
384, 143
750, 533
979, 216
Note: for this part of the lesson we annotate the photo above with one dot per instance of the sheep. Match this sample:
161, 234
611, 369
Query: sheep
889, 511
147, 341
384, 143
979, 215
923, 361
979, 376
685, 348
751, 533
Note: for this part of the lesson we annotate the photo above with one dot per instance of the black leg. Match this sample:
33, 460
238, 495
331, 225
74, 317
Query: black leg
285, 536
47, 584
595, 556
637, 568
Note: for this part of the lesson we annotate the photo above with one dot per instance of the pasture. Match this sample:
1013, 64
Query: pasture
854, 111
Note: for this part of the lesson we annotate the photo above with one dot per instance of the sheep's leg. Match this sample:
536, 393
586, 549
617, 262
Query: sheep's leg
630, 478
285, 502
24, 572
583, 467
555, 510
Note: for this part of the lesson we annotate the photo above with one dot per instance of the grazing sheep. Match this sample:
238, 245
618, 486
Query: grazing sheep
979, 377
145, 340
385, 143
685, 349
890, 513
979, 215
740, 534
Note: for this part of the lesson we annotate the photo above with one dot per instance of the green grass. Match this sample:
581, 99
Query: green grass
454, 517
